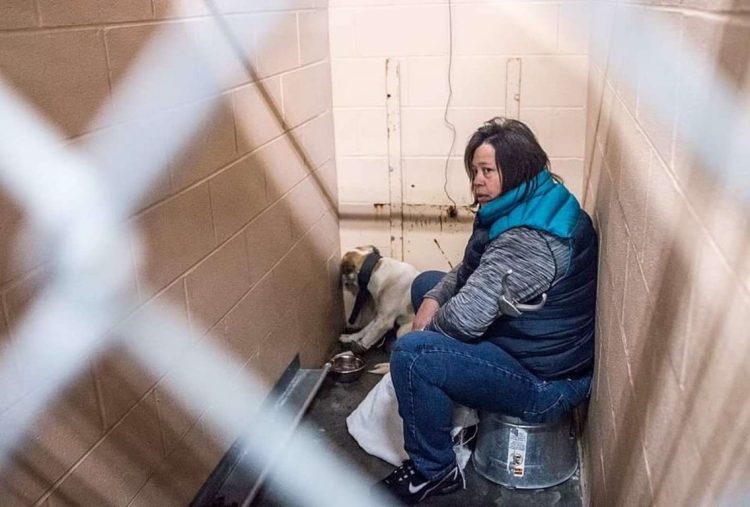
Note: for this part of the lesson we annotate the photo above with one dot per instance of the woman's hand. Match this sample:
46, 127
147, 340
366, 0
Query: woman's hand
427, 310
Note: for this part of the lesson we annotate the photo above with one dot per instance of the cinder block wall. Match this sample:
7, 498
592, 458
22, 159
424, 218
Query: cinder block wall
241, 237
496, 46
669, 417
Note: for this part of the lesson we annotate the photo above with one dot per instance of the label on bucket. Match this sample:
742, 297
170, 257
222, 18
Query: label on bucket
517, 451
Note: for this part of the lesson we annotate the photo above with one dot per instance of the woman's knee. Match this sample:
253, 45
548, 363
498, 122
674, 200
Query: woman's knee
414, 354
415, 350
410, 343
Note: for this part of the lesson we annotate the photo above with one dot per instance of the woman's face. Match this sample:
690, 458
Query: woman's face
487, 182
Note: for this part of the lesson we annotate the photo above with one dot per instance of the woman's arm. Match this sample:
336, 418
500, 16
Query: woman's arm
438, 295
426, 312
445, 288
529, 253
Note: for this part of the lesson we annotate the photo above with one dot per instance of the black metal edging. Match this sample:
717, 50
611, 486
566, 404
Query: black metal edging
296, 421
214, 492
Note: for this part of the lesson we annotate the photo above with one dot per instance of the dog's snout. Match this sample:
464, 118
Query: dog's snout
349, 279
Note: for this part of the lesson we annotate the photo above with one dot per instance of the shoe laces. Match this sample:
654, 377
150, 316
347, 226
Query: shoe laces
405, 472
463, 477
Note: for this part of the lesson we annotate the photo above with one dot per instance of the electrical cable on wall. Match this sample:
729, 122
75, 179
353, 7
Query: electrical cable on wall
452, 212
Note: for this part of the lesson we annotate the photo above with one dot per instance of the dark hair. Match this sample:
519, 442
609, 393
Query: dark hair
518, 154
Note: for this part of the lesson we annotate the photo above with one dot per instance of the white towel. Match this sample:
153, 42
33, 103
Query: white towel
378, 428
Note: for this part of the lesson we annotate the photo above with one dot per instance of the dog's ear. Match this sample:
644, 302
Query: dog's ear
351, 262
375, 249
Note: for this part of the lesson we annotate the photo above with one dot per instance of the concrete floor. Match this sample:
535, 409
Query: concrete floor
327, 419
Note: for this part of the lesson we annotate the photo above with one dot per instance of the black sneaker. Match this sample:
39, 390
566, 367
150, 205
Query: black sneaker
411, 487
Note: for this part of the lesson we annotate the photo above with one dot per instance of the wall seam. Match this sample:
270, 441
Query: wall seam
299, 38
37, 14
465, 56
94, 369
43, 29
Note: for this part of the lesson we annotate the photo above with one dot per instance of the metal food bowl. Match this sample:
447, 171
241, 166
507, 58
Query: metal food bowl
346, 367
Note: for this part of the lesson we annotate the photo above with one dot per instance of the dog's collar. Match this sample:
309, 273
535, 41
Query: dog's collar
363, 278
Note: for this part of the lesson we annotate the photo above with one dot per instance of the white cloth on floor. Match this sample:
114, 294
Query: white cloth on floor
378, 428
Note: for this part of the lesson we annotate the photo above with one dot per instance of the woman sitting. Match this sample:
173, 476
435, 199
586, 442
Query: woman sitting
511, 328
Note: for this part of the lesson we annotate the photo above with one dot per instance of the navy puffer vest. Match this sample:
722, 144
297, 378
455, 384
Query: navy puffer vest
472, 253
558, 340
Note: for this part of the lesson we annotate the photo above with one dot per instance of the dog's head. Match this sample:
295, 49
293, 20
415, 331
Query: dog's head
351, 264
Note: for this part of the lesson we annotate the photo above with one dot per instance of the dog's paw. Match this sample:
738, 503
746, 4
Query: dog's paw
358, 348
347, 338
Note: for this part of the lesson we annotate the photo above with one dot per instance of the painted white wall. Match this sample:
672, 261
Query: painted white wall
550, 40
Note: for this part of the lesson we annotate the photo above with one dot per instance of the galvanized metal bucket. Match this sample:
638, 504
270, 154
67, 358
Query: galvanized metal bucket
522, 455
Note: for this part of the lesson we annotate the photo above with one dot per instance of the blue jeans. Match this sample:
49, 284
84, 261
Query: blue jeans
432, 371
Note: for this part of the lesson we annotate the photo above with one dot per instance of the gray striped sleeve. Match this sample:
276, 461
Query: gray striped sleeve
445, 288
538, 260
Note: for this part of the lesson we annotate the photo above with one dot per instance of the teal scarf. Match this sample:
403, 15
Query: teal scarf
549, 207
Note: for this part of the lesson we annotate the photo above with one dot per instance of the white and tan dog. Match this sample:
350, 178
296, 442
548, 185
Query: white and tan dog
388, 302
